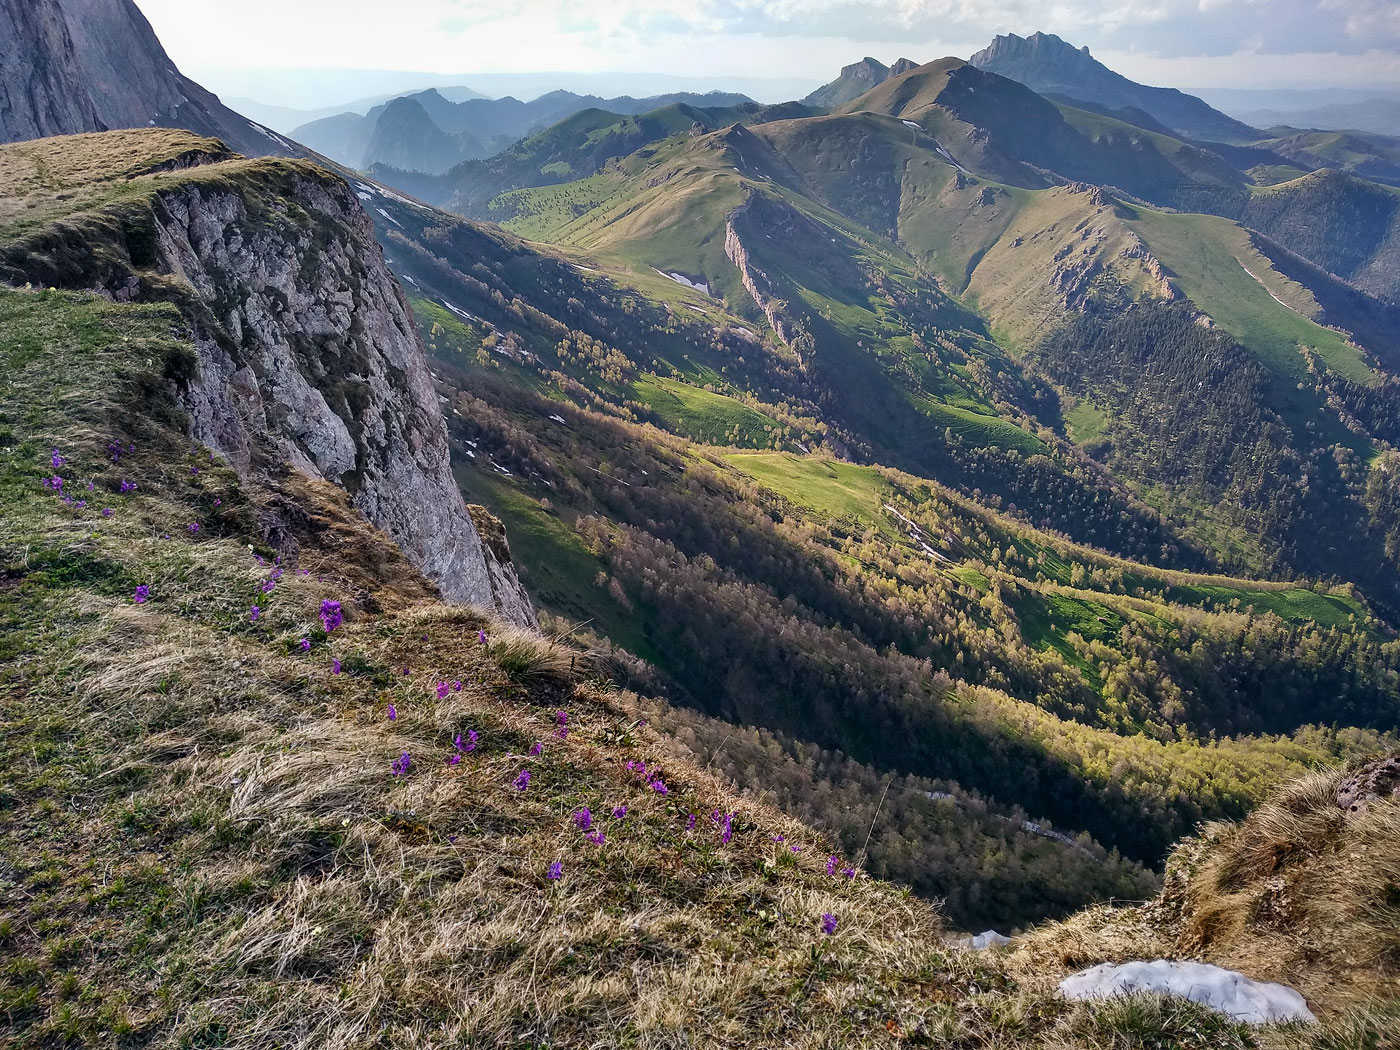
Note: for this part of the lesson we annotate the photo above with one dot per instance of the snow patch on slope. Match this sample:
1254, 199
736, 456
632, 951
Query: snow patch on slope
1224, 991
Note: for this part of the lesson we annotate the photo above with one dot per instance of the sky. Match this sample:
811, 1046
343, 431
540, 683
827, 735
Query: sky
231, 45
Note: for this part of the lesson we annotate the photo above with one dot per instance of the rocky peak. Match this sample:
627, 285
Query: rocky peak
88, 65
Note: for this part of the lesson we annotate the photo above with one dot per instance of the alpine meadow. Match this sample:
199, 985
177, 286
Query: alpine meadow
619, 559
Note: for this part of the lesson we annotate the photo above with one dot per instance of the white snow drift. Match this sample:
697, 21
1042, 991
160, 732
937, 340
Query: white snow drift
1223, 991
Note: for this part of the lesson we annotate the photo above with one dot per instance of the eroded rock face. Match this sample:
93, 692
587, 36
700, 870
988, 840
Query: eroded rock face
41, 81
309, 355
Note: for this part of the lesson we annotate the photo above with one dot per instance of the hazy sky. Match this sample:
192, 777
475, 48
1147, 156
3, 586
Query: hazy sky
1187, 43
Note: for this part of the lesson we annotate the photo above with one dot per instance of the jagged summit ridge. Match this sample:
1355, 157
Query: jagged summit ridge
856, 79
1052, 66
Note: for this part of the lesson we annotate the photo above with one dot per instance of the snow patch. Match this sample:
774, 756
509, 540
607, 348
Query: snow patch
912, 124
458, 311
389, 217
984, 940
1224, 991
680, 278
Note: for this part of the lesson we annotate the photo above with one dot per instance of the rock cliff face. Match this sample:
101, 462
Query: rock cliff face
856, 79
306, 349
71, 66
38, 68
312, 354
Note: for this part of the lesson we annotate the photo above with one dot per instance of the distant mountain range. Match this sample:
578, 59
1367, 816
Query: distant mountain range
92, 65
426, 132
855, 80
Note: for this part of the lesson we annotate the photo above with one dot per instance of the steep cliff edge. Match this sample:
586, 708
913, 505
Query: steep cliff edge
305, 352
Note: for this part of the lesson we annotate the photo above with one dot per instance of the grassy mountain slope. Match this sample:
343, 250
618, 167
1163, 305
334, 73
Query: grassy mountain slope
546, 403
206, 842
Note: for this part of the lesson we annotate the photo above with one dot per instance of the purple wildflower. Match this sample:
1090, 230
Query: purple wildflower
218, 503
537, 748
253, 614
335, 665
268, 586
831, 865
471, 740
128, 486
690, 822
562, 717
393, 712
194, 471
453, 759
828, 923
583, 819
106, 512
306, 645
598, 837
401, 764
142, 593
81, 504
522, 780
850, 873
562, 733
481, 636
777, 838
331, 616
456, 687
56, 460
620, 812
797, 849
555, 870
659, 786
192, 527
442, 689
55, 483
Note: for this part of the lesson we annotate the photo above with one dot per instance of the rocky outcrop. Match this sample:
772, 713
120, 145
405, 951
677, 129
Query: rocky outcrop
309, 355
89, 65
306, 351
755, 281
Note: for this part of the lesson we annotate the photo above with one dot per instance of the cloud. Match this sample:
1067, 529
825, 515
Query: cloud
759, 37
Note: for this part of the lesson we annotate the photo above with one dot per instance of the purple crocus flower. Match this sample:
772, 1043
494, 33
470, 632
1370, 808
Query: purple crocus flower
481, 636
850, 873
831, 865
555, 870
253, 614
56, 460
268, 586
306, 645
55, 483
192, 527
452, 760
81, 504
335, 665
194, 471
128, 486
562, 717
393, 712
331, 616
828, 923
598, 837
90, 486
562, 733
777, 838
620, 812
583, 819
471, 740
728, 832
522, 780
797, 849
537, 748
106, 512
218, 503
442, 690
401, 764
690, 822
456, 687
142, 594
659, 786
